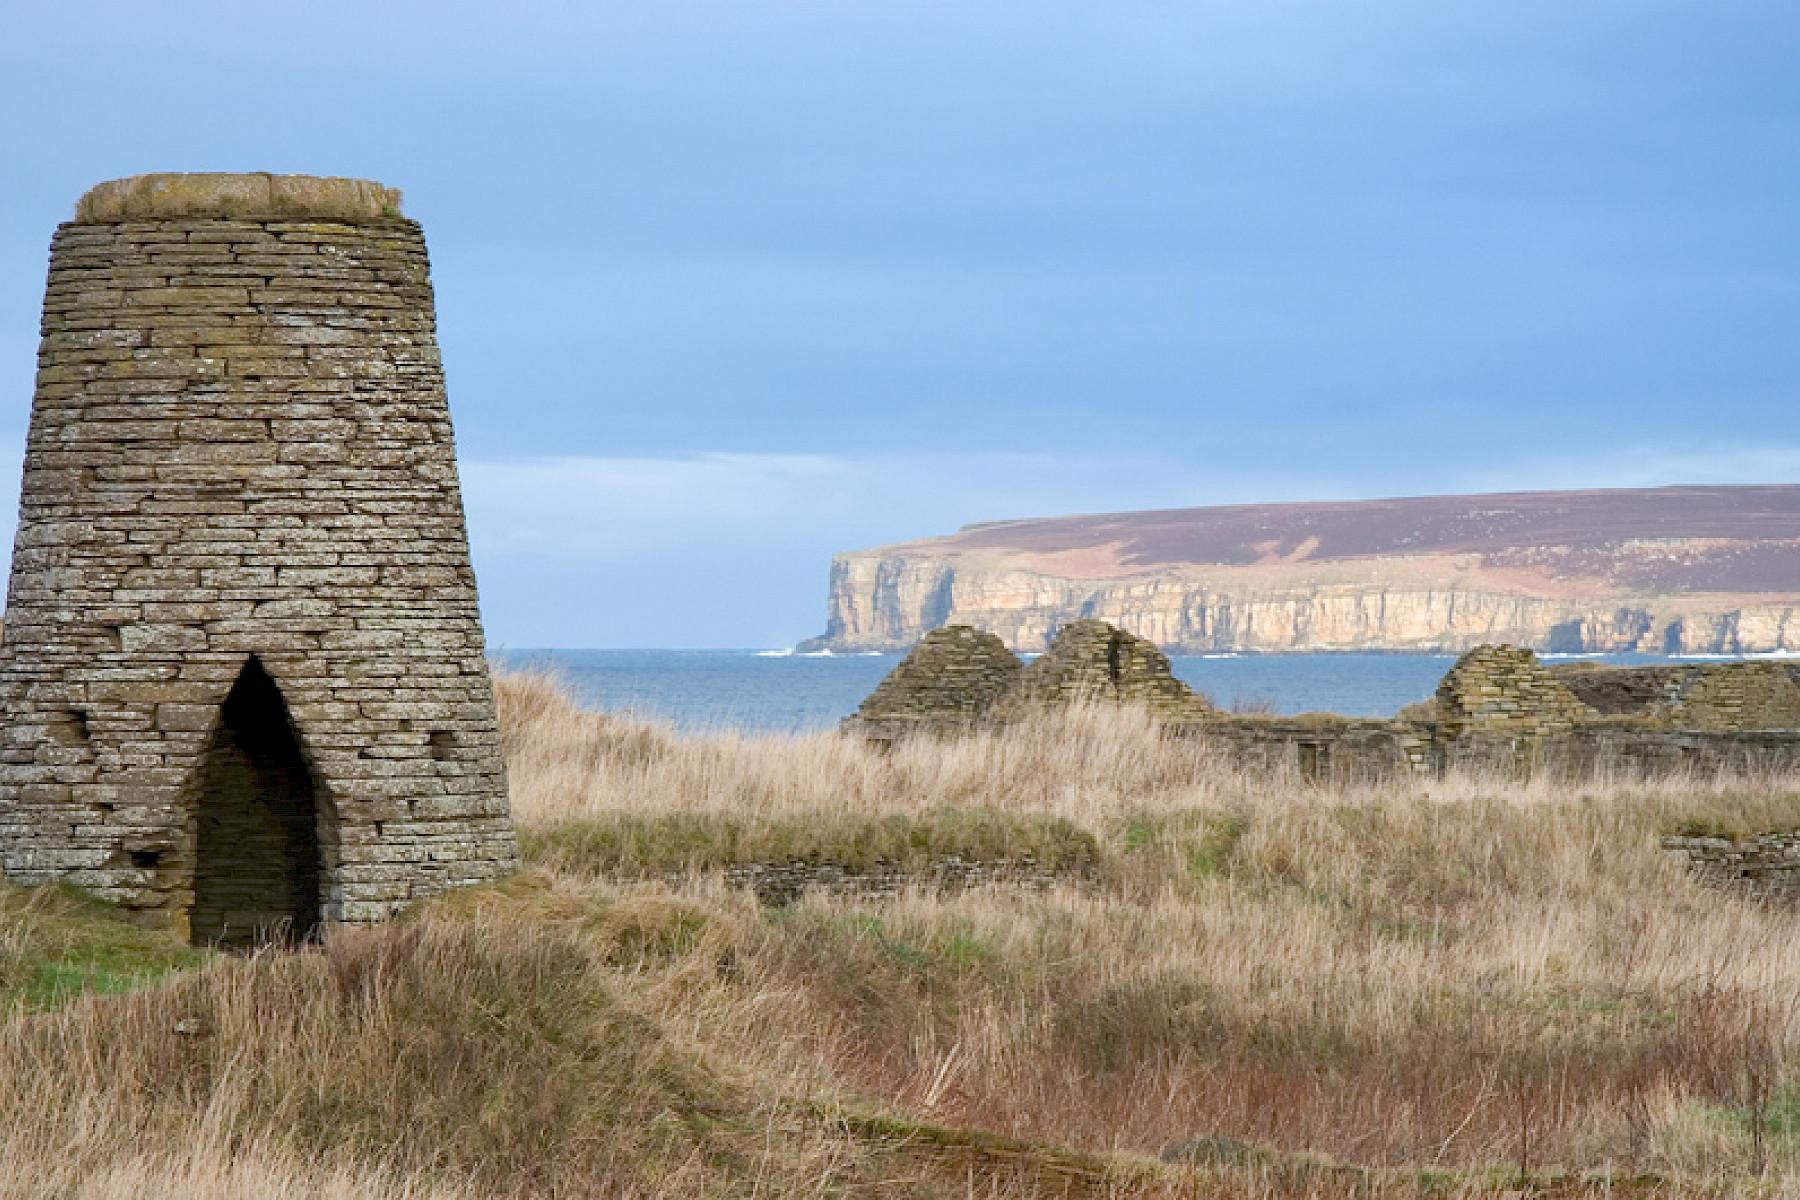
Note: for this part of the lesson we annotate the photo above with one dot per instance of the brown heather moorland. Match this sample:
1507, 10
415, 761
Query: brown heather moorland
1169, 979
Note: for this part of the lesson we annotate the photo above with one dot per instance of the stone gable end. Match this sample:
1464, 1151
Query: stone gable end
1505, 689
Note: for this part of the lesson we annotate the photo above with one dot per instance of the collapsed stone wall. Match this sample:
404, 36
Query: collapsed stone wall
1617, 691
1719, 696
240, 465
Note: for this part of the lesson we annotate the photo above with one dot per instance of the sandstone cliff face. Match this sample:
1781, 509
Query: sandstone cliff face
1696, 570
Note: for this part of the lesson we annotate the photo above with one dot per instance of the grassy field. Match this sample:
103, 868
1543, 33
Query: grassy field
1168, 978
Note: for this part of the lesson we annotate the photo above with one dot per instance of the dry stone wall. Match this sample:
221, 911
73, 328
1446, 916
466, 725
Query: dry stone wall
960, 678
1763, 866
1353, 751
1316, 750
1505, 689
1727, 696
240, 461
1717, 696
1618, 692
1093, 662
948, 681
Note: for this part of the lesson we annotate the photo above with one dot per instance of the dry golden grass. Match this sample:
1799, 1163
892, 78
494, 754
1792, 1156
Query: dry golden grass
1417, 988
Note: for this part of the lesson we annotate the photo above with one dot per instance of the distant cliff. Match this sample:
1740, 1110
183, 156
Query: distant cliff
1663, 571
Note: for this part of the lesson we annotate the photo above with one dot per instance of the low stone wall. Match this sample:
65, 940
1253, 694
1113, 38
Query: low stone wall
1326, 752
1628, 751
787, 882
1365, 751
1765, 866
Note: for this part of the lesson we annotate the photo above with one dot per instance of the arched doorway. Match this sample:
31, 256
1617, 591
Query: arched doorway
257, 861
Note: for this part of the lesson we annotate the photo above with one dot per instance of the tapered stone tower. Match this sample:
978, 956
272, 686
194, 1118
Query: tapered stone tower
242, 681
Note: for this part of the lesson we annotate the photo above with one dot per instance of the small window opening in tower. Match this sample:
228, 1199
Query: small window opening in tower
257, 860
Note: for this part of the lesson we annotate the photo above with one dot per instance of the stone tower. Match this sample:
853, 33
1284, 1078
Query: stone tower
242, 681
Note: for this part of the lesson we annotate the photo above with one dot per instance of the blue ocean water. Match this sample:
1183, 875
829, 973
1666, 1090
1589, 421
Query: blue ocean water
767, 692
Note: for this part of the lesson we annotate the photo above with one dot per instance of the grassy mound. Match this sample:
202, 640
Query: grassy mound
657, 845
442, 1050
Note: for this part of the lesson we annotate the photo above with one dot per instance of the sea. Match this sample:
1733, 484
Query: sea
779, 692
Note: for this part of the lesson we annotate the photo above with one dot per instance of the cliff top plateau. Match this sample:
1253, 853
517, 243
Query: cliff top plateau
1743, 539
1676, 570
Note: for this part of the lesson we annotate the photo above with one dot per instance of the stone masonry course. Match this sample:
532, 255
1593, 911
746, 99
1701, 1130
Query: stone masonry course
240, 469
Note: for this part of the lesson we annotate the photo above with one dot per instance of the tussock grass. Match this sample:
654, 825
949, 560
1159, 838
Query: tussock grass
627, 844
1421, 988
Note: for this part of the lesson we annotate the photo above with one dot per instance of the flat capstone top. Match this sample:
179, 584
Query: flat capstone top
250, 197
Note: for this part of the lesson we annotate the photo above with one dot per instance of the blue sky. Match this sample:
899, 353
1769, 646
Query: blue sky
725, 287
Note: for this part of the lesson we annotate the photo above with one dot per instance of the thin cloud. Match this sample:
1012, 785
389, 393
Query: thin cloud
623, 506
1646, 464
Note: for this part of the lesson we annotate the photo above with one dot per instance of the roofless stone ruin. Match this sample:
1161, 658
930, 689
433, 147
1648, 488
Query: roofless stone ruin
959, 678
242, 681
948, 681
1091, 662
1498, 709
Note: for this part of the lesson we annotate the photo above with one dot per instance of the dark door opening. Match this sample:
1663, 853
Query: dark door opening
256, 869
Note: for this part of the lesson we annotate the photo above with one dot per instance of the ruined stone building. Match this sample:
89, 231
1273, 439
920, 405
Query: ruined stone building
242, 681
1505, 690
1717, 696
948, 682
1497, 710
1092, 662
959, 678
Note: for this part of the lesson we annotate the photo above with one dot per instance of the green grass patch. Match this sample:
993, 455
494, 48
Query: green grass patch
1780, 1119
57, 944
1199, 842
